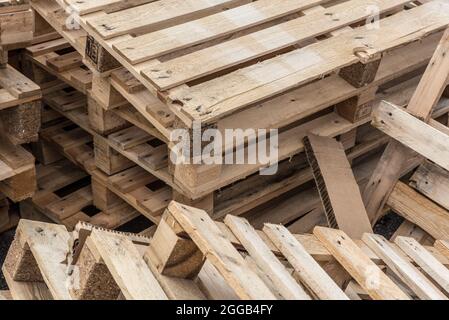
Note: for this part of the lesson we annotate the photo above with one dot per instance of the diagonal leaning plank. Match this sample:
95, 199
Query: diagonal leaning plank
359, 266
433, 182
309, 271
127, 266
423, 102
413, 133
425, 260
338, 189
265, 259
404, 269
37, 254
411, 205
220, 252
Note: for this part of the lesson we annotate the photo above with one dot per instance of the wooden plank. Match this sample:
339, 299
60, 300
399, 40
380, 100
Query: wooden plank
221, 96
408, 273
413, 133
386, 174
265, 259
26, 291
215, 26
198, 64
156, 15
40, 237
127, 267
359, 266
308, 270
433, 182
425, 260
89, 6
420, 210
338, 189
17, 84
220, 252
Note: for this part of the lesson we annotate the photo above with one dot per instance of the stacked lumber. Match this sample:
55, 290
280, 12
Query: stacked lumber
16, 25
20, 113
229, 260
358, 95
123, 77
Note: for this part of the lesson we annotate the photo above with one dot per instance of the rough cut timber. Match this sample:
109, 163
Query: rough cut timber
337, 186
421, 106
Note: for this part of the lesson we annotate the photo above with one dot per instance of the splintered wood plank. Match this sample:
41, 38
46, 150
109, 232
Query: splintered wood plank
309, 271
359, 266
418, 209
127, 266
156, 15
49, 244
265, 259
433, 182
220, 252
404, 269
425, 260
17, 84
338, 189
152, 45
201, 63
413, 133
220, 97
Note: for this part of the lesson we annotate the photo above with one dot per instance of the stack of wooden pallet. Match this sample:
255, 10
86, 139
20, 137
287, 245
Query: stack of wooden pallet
191, 257
124, 75
19, 110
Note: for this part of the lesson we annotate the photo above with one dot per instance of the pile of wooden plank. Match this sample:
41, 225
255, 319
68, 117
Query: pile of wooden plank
20, 116
357, 94
123, 83
191, 257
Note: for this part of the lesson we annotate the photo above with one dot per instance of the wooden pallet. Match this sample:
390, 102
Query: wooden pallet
17, 171
19, 106
352, 101
64, 196
228, 260
236, 199
16, 24
232, 173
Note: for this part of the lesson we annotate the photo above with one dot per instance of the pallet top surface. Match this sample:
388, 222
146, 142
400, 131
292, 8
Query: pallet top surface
210, 59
